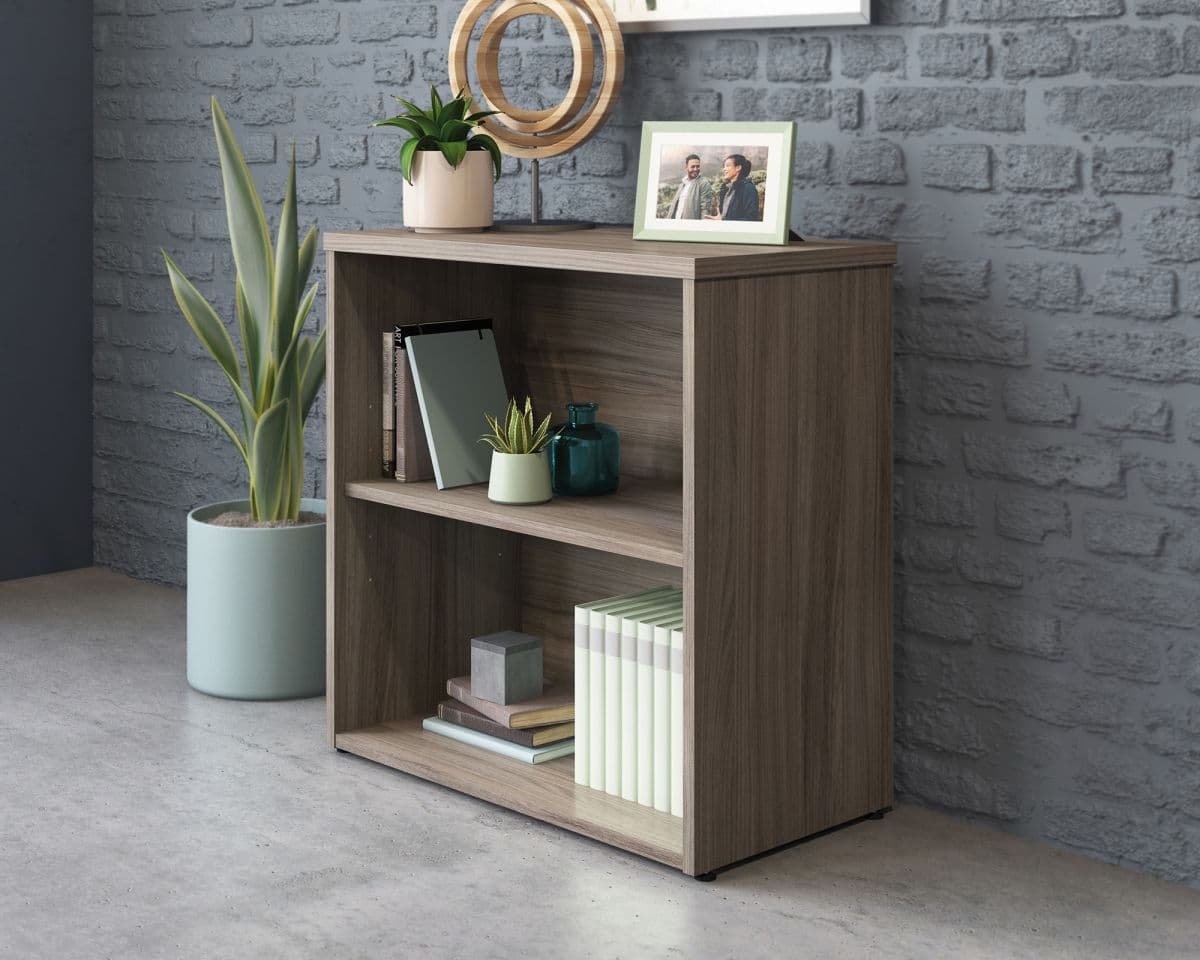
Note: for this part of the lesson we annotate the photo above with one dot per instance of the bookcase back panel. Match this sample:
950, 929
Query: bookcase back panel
557, 576
613, 339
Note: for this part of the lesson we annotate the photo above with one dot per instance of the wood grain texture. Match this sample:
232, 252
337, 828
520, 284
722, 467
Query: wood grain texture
545, 791
787, 566
641, 520
613, 250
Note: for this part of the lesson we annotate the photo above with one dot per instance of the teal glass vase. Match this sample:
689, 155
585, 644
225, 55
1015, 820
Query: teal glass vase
585, 455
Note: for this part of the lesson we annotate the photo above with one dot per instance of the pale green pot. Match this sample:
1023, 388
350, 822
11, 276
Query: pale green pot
255, 607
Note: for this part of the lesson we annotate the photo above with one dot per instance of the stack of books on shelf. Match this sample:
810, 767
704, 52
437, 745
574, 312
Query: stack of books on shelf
511, 710
629, 697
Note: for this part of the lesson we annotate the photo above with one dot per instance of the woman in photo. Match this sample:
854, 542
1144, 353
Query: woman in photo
737, 199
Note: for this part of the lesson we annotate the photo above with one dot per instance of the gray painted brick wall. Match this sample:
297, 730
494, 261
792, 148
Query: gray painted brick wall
1034, 159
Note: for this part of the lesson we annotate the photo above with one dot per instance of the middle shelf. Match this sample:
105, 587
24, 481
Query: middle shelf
644, 519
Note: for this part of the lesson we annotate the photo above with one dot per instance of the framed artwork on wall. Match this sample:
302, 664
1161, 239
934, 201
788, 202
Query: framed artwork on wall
715, 182
640, 16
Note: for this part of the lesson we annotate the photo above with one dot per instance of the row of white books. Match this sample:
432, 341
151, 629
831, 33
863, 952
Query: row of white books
629, 697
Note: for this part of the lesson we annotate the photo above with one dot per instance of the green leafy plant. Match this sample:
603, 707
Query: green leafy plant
449, 127
280, 371
516, 434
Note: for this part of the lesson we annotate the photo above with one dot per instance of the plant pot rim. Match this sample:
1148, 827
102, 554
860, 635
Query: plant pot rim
309, 504
536, 453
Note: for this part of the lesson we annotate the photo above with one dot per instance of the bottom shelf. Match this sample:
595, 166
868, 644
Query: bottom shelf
545, 791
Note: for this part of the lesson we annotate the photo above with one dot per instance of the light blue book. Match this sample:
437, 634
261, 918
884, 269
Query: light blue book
552, 751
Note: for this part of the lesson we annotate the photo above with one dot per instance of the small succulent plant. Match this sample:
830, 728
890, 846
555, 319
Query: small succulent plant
516, 434
449, 127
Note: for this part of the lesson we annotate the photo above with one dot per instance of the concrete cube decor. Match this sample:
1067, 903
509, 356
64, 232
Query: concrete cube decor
506, 667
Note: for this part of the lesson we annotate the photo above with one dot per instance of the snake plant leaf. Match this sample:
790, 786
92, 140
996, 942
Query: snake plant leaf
514, 431
475, 118
415, 126
436, 102
287, 265
219, 421
540, 436
453, 111
413, 109
407, 153
482, 141
250, 345
313, 375
454, 130
308, 253
304, 310
453, 151
203, 320
249, 235
492, 442
522, 435
268, 460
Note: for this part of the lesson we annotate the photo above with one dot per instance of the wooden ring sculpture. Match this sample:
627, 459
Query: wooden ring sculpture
534, 134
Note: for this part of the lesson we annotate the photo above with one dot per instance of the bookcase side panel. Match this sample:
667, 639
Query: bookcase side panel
788, 549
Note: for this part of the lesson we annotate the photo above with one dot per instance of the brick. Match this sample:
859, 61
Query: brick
922, 445
1026, 631
730, 60
797, 59
1159, 8
220, 31
1031, 518
1131, 170
948, 393
932, 554
600, 157
1038, 53
1123, 534
1141, 415
984, 10
1094, 468
903, 12
848, 108
865, 54
941, 726
812, 162
939, 615
1115, 590
1172, 113
799, 103
962, 281
1174, 732
1141, 294
1172, 484
989, 569
347, 151
1039, 167
944, 504
394, 68
337, 109
1084, 226
1036, 401
1191, 50
955, 55
1183, 660
1171, 234
266, 109
874, 161
947, 782
963, 335
1046, 286
397, 20
852, 216
1156, 357
1129, 53
958, 167
1120, 650
921, 109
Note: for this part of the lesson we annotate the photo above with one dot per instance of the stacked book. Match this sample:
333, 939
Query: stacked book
534, 731
629, 697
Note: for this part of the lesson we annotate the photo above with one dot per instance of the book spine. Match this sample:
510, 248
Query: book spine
662, 719
677, 640
413, 463
475, 739
629, 741
596, 701
645, 715
451, 714
388, 404
582, 689
612, 705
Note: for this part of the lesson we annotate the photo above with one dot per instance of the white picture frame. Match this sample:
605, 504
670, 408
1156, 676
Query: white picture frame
634, 16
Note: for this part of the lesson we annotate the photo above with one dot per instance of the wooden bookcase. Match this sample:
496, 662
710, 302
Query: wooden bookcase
752, 390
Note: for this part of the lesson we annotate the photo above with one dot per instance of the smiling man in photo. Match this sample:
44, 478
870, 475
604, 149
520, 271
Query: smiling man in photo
694, 198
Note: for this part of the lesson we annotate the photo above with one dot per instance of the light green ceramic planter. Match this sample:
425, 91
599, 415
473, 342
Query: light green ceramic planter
255, 607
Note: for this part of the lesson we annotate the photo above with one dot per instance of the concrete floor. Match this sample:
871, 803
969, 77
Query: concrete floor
139, 819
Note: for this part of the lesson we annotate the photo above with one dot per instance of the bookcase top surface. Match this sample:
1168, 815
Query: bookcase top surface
613, 250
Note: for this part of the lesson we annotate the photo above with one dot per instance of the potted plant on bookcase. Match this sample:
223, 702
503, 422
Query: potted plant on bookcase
520, 468
256, 567
449, 166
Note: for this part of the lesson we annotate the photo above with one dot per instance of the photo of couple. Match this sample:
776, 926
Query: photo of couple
712, 183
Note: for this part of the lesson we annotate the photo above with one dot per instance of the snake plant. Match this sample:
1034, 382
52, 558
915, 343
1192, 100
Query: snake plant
280, 370
447, 127
516, 434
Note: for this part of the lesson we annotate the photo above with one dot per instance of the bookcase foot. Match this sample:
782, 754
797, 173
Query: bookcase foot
707, 877
878, 814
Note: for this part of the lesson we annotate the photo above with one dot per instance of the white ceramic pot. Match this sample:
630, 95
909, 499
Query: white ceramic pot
520, 478
443, 198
